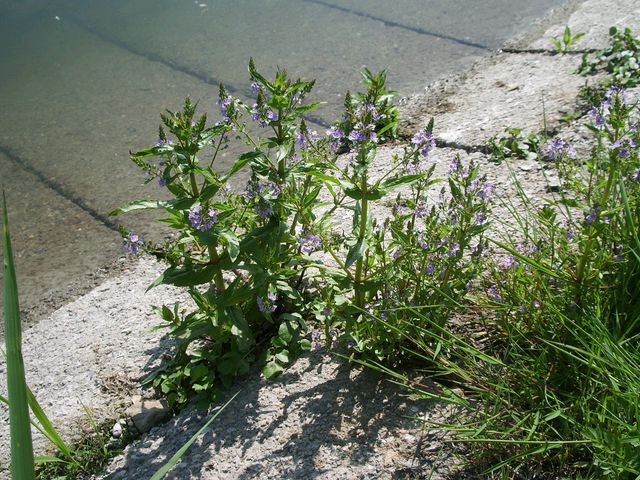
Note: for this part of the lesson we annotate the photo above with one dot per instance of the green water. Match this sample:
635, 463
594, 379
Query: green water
82, 84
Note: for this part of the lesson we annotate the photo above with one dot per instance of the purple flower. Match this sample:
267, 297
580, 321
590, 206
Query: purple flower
301, 140
624, 146
618, 249
255, 88
316, 339
424, 141
224, 103
507, 262
422, 242
132, 243
486, 192
268, 305
202, 221
596, 117
492, 293
335, 132
454, 250
264, 211
557, 149
310, 243
255, 113
357, 136
421, 210
162, 142
592, 215
480, 218
162, 182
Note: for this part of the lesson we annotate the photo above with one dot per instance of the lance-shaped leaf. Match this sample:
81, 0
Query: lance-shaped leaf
22, 466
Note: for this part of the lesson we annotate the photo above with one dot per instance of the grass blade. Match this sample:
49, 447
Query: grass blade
22, 466
162, 471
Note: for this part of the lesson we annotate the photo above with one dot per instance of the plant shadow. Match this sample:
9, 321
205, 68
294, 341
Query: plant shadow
322, 415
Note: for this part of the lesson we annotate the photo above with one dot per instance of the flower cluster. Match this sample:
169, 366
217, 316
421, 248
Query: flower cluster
202, 220
262, 114
557, 149
132, 243
600, 114
310, 243
267, 305
624, 146
264, 193
424, 142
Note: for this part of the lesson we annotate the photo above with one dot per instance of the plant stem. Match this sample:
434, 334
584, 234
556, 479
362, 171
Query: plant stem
364, 214
194, 185
215, 258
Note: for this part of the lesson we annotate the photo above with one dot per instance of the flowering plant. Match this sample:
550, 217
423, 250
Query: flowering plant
252, 261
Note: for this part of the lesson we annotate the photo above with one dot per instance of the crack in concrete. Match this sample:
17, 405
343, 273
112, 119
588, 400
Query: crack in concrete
58, 189
461, 146
391, 23
547, 51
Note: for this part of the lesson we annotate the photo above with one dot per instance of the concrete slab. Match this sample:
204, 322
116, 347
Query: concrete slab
106, 363
506, 90
594, 17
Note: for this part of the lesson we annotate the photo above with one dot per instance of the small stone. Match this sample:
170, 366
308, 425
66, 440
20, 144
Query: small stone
146, 413
525, 167
116, 431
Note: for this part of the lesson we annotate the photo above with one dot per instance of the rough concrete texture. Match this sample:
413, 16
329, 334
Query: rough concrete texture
593, 17
321, 419
92, 353
506, 90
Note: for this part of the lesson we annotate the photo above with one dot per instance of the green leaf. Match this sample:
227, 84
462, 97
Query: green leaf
22, 466
355, 252
396, 182
153, 205
253, 73
287, 331
162, 471
283, 356
272, 370
355, 192
185, 276
240, 163
233, 244
566, 38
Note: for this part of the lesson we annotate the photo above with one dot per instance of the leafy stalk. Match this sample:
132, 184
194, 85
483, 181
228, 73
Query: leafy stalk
22, 466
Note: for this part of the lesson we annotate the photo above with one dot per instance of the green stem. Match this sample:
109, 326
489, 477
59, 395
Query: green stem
364, 214
194, 185
585, 256
294, 223
215, 153
215, 259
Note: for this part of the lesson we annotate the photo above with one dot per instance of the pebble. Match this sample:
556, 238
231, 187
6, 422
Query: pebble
116, 431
